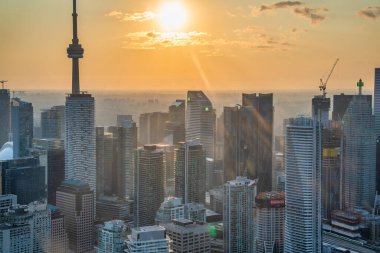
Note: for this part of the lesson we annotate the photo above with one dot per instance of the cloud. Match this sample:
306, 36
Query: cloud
370, 12
134, 17
157, 40
280, 5
314, 15
139, 16
116, 14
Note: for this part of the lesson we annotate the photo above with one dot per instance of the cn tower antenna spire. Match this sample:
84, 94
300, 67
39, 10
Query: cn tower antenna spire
75, 51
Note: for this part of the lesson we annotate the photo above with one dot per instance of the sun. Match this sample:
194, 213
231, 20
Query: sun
172, 16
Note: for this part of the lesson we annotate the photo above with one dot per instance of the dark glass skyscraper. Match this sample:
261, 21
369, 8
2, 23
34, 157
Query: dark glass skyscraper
53, 122
248, 139
24, 177
175, 126
5, 118
22, 127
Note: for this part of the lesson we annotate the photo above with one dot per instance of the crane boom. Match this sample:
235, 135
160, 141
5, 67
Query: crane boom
323, 85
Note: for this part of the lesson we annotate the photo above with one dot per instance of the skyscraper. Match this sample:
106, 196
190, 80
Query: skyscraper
80, 156
239, 200
341, 103
172, 208
175, 126
24, 177
376, 107
22, 127
359, 173
129, 144
52, 156
190, 172
41, 226
5, 116
152, 127
270, 215
105, 166
75, 199
147, 240
149, 184
331, 169
53, 122
302, 186
321, 109
248, 139
201, 124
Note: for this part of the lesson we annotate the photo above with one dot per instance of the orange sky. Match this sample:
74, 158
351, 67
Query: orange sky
238, 45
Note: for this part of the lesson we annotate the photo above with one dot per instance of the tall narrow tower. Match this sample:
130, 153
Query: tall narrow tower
80, 158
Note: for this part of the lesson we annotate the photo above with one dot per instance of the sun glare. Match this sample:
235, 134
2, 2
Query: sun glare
172, 16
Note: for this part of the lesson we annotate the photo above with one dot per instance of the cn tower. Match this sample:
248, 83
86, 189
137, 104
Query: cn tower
75, 51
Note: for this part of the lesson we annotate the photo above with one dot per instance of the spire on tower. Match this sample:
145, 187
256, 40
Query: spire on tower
75, 51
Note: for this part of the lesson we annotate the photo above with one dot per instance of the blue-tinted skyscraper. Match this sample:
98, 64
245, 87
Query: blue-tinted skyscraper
359, 173
22, 127
5, 118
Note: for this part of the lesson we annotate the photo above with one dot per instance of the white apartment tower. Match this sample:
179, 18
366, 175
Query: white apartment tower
302, 187
112, 237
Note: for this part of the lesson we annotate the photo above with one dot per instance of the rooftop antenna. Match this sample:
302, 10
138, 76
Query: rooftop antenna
360, 84
3, 83
323, 85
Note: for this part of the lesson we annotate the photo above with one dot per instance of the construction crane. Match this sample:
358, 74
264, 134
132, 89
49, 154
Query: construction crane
323, 85
2, 83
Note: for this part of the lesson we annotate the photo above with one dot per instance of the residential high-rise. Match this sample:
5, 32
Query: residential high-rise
376, 106
152, 127
378, 164
359, 150
200, 124
75, 199
149, 184
171, 209
121, 118
59, 238
24, 177
53, 122
6, 201
80, 149
270, 226
248, 146
175, 126
51, 155
302, 186
22, 127
239, 200
188, 236
169, 167
190, 172
129, 144
5, 116
150, 239
112, 237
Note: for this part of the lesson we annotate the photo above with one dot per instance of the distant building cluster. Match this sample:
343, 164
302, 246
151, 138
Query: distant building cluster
189, 180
